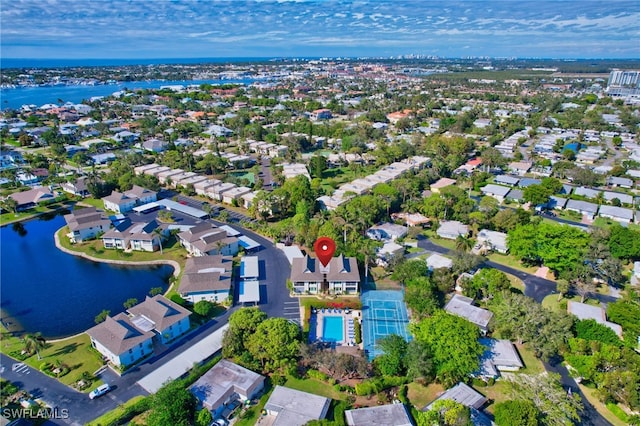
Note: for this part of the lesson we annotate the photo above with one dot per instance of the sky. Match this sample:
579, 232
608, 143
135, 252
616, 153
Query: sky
144, 29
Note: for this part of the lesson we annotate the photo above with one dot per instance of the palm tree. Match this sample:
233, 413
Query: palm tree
33, 342
463, 243
158, 232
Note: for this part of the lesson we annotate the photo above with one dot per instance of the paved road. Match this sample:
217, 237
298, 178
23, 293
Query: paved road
538, 288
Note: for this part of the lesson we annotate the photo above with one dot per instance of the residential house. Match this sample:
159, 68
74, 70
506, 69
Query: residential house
441, 183
86, 223
583, 207
120, 341
206, 278
29, 199
524, 182
462, 306
586, 192
506, 180
623, 198
165, 317
292, 407
462, 394
438, 261
519, 168
247, 199
498, 192
340, 276
452, 229
585, 312
155, 145
411, 219
386, 231
166, 177
614, 181
138, 236
77, 187
493, 240
516, 195
206, 239
500, 355
233, 194
215, 192
225, 383
203, 187
383, 415
619, 214
122, 202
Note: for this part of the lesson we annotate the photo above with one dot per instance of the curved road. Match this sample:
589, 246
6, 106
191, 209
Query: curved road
538, 288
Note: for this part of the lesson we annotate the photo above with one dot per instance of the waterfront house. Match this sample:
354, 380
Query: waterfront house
206, 278
206, 239
139, 236
122, 202
225, 383
162, 316
340, 276
120, 341
28, 199
86, 223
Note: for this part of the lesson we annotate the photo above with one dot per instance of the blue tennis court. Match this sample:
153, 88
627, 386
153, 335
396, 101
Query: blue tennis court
383, 313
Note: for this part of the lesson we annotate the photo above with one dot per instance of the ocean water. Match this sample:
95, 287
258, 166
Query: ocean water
14, 98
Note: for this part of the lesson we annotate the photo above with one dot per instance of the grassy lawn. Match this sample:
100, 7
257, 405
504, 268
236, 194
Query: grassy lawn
314, 386
6, 218
499, 392
512, 262
516, 282
95, 202
551, 302
75, 352
114, 415
532, 365
600, 407
172, 250
420, 395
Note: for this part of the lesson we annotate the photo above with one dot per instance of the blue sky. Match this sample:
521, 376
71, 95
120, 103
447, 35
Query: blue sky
307, 28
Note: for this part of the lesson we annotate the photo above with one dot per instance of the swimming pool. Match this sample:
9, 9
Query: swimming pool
332, 329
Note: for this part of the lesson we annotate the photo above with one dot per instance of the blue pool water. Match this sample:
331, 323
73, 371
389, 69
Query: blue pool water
332, 329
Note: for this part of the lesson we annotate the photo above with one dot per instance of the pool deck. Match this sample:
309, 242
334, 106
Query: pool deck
348, 321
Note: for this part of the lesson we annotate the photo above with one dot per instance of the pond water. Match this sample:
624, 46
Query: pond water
43, 289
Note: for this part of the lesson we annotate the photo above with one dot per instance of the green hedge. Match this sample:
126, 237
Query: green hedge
618, 412
378, 384
357, 331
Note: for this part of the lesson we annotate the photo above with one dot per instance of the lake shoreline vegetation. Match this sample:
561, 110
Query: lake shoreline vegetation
482, 134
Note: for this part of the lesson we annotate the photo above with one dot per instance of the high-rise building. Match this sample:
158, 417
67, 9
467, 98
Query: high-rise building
624, 78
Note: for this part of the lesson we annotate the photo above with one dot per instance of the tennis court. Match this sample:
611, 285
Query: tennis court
383, 313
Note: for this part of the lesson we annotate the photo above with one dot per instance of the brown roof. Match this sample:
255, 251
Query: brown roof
34, 195
206, 273
118, 334
162, 311
339, 269
206, 237
86, 218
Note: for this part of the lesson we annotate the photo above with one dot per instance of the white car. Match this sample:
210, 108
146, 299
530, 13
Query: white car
99, 391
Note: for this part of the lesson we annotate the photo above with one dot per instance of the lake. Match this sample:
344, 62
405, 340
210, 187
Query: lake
48, 291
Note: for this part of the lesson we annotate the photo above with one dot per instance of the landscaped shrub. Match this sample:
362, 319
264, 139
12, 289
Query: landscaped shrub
479, 382
357, 331
378, 384
318, 375
617, 411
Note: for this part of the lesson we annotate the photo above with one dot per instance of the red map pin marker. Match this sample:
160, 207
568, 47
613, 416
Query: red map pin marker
324, 248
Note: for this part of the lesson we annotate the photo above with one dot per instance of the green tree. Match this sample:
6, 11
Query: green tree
102, 316
418, 361
204, 308
453, 341
275, 342
204, 417
34, 343
242, 324
591, 330
486, 283
626, 313
172, 405
394, 349
422, 296
536, 195
445, 412
130, 303
317, 165
516, 413
410, 269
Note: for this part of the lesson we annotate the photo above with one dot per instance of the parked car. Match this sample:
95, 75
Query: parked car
219, 422
99, 391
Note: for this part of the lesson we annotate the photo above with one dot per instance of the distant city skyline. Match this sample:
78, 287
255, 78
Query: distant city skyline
145, 29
